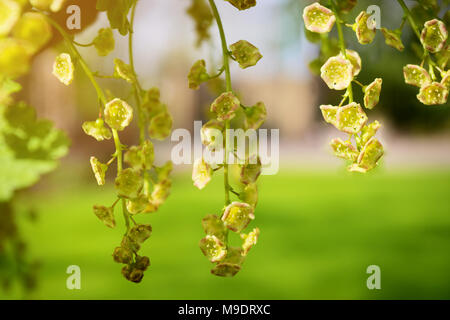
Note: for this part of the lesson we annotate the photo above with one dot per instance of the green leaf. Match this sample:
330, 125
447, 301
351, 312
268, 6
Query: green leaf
28, 148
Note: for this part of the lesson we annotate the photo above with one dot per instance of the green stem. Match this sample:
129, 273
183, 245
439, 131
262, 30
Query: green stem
226, 67
119, 155
342, 44
137, 86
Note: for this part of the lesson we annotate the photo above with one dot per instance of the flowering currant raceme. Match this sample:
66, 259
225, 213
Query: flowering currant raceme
432, 37
339, 71
141, 187
237, 215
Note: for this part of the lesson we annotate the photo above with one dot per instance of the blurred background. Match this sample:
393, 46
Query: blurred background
321, 227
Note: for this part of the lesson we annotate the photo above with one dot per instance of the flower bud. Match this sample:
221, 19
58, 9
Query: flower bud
337, 73
250, 194
211, 135
164, 171
122, 255
369, 156
118, 114
63, 68
197, 75
124, 71
237, 216
140, 157
344, 150
130, 244
434, 35
255, 116
104, 42
351, 118
10, 10
329, 113
372, 93
249, 240
201, 173
142, 263
214, 226
354, 58
251, 170
99, 170
34, 28
136, 275
433, 94
393, 38
106, 215
242, 4
225, 106
246, 54
160, 126
140, 233
416, 75
365, 29
128, 183
318, 18
214, 249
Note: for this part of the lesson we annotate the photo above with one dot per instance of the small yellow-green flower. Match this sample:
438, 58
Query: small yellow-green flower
48, 5
214, 249
118, 114
63, 68
351, 118
416, 75
128, 183
211, 135
140, 157
364, 28
231, 265
124, 71
15, 57
433, 94
446, 80
368, 131
106, 215
249, 240
372, 93
201, 173
34, 28
318, 18
160, 126
214, 226
255, 116
99, 170
393, 38
104, 42
237, 216
225, 106
97, 129
161, 191
250, 194
246, 54
337, 73
197, 75
329, 113
369, 156
354, 58
344, 150
434, 35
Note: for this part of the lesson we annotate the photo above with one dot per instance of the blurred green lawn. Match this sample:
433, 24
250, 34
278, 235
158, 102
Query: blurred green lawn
319, 233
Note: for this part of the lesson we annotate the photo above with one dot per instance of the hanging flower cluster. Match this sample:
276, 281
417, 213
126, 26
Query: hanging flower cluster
237, 215
362, 150
142, 187
436, 51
